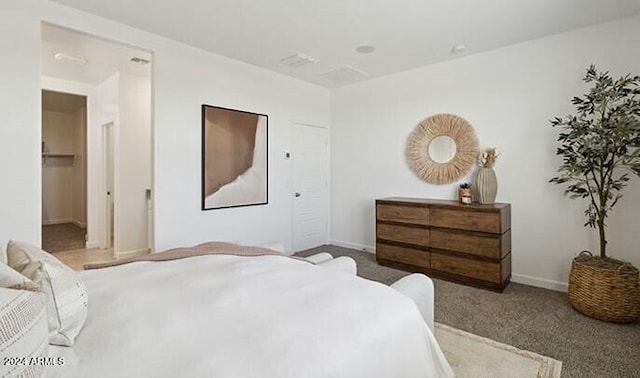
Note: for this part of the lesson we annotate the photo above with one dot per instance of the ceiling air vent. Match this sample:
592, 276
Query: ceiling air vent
298, 60
137, 59
344, 75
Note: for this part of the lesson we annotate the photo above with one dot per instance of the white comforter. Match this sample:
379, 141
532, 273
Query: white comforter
231, 316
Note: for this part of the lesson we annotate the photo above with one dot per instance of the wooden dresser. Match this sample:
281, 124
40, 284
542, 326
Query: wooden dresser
469, 244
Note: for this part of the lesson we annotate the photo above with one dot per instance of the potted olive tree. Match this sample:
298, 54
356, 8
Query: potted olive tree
600, 148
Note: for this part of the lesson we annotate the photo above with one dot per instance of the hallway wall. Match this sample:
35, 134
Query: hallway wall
79, 184
133, 163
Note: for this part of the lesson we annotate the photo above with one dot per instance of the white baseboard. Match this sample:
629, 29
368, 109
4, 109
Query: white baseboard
540, 282
518, 278
133, 252
92, 244
56, 221
62, 221
78, 223
360, 247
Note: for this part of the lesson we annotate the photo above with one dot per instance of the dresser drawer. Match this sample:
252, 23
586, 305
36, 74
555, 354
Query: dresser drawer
410, 256
489, 245
403, 234
403, 214
466, 220
481, 270
470, 244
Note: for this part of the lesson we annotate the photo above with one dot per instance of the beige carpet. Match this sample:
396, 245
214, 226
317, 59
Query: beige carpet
62, 237
472, 356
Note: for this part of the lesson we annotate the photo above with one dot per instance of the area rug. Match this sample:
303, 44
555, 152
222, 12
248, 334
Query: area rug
473, 356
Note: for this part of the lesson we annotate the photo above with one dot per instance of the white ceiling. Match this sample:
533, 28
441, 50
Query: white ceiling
406, 33
103, 58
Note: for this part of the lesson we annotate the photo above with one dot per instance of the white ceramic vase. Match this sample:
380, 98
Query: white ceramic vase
486, 185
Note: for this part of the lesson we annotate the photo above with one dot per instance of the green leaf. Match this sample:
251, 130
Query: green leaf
600, 143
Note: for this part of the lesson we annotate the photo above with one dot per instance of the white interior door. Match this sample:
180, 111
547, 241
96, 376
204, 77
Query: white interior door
109, 154
310, 186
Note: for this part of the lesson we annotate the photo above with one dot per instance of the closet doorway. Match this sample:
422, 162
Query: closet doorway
114, 81
64, 171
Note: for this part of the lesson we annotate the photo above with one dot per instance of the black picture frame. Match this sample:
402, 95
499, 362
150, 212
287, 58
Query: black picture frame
226, 147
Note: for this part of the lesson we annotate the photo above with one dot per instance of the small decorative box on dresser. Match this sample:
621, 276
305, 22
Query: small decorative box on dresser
469, 244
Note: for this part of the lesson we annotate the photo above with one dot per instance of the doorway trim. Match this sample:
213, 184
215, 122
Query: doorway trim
95, 217
295, 123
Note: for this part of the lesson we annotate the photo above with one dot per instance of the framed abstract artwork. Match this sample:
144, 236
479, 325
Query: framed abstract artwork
234, 158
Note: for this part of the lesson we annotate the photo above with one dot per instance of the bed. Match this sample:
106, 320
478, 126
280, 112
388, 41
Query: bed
238, 316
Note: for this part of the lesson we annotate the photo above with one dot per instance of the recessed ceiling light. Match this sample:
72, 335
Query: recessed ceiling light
365, 49
77, 60
458, 49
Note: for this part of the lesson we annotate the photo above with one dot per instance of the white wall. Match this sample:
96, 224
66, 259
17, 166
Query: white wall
133, 162
20, 164
58, 130
218, 81
184, 78
508, 95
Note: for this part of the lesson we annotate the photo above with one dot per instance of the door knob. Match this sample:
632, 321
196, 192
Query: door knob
298, 194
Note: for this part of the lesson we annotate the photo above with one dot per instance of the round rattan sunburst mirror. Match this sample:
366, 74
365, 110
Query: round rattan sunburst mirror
461, 152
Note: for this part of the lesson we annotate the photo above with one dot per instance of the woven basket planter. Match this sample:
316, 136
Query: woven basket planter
611, 295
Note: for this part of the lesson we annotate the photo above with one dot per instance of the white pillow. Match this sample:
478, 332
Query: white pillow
10, 279
65, 293
23, 333
3, 256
